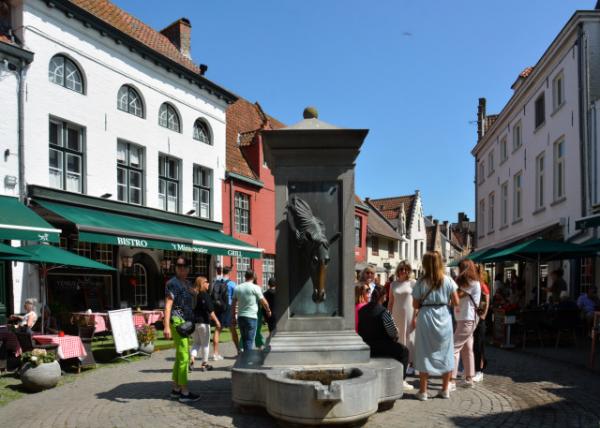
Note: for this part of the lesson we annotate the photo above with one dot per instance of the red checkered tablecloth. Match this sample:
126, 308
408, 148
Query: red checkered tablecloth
12, 343
101, 322
68, 346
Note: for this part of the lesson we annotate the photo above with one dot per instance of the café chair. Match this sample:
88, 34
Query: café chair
86, 335
27, 344
566, 321
3, 356
531, 322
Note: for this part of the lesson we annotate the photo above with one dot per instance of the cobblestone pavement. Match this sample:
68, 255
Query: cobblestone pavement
518, 391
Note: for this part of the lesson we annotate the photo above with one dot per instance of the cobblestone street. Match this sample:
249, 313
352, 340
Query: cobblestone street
519, 390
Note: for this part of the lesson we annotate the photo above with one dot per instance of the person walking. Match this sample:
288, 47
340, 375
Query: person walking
367, 277
376, 327
401, 307
434, 344
270, 296
245, 309
203, 314
259, 340
479, 335
465, 313
222, 292
178, 309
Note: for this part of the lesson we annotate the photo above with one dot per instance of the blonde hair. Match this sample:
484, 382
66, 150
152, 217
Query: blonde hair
363, 274
198, 283
403, 265
434, 269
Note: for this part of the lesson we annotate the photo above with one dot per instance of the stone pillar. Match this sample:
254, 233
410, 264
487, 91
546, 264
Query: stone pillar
314, 161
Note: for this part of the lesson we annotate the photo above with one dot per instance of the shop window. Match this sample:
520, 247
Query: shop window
586, 279
66, 149
104, 254
268, 270
242, 264
140, 286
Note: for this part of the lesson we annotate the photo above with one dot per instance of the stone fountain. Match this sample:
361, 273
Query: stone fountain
315, 369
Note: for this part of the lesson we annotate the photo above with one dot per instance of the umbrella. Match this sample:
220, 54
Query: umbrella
48, 254
538, 250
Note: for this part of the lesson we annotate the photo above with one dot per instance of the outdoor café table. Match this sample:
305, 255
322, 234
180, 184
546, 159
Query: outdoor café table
101, 321
12, 343
68, 346
141, 318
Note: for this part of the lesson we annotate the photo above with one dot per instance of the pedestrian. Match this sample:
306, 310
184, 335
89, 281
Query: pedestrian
203, 314
465, 313
245, 309
259, 341
376, 327
178, 310
479, 335
558, 285
222, 295
270, 296
401, 307
361, 298
434, 344
367, 276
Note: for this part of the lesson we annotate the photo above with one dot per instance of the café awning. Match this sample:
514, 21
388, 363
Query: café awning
7, 250
537, 249
17, 222
48, 254
106, 227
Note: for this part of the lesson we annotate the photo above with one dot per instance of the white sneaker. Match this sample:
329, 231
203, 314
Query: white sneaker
444, 394
478, 377
452, 386
421, 396
218, 357
407, 386
467, 384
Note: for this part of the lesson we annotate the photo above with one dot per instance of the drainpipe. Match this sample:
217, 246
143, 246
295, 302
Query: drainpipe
582, 89
21, 131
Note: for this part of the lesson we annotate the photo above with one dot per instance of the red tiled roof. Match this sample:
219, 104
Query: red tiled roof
378, 225
243, 121
5, 39
525, 73
390, 207
489, 121
133, 27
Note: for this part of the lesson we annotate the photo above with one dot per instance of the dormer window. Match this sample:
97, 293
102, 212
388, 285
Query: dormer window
62, 71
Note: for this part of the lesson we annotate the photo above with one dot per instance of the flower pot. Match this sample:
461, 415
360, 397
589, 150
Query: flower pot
38, 378
147, 348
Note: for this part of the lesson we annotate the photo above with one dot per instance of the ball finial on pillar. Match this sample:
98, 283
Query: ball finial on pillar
310, 113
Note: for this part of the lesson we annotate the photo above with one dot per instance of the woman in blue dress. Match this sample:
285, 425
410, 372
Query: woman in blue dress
434, 344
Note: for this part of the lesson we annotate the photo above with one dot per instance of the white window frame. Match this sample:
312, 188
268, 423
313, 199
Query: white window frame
481, 219
242, 213
242, 264
558, 91
63, 151
129, 169
559, 170
518, 196
268, 269
491, 168
504, 204
540, 168
481, 172
491, 207
166, 181
203, 191
503, 149
140, 293
517, 136
542, 97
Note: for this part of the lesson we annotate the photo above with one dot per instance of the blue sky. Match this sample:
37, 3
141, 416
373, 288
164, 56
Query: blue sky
409, 70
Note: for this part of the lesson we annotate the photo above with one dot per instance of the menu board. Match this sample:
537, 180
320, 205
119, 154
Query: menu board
123, 330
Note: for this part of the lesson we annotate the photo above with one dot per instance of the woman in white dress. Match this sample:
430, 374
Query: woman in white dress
401, 306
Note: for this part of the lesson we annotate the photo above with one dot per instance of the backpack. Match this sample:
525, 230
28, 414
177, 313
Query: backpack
220, 295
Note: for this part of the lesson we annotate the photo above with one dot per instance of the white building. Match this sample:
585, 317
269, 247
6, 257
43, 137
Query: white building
383, 249
405, 213
537, 161
124, 147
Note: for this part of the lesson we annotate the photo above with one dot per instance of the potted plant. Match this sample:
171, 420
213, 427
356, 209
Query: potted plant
40, 370
146, 335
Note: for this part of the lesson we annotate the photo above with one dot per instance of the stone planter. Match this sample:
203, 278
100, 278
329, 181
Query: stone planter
44, 376
147, 348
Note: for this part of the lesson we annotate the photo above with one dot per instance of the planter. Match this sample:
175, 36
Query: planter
44, 376
147, 348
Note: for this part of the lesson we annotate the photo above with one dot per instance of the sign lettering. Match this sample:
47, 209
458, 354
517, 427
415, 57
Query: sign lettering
132, 242
234, 253
189, 249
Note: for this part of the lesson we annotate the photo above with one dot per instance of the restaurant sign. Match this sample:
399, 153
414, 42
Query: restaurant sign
190, 247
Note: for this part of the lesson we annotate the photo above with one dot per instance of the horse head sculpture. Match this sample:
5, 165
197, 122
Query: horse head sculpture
311, 238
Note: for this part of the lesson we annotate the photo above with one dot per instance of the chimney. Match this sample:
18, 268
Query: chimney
480, 118
180, 34
447, 229
461, 217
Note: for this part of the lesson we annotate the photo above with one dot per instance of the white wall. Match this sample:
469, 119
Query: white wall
383, 255
418, 234
561, 123
106, 67
9, 165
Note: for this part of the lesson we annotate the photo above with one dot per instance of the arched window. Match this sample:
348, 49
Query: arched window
168, 117
130, 101
141, 285
201, 132
64, 72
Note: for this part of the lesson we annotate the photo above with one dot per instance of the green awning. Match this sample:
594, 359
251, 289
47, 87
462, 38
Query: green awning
478, 256
117, 229
20, 223
538, 248
57, 256
7, 250
588, 222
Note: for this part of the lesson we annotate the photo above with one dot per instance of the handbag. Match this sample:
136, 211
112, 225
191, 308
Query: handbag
185, 329
479, 309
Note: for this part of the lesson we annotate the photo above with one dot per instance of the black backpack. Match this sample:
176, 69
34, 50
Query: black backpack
220, 295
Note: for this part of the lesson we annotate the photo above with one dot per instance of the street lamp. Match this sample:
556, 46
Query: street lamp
165, 265
126, 262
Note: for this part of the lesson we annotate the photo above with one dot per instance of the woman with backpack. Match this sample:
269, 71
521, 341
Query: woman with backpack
466, 315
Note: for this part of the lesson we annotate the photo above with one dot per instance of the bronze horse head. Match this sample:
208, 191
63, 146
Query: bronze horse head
311, 238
